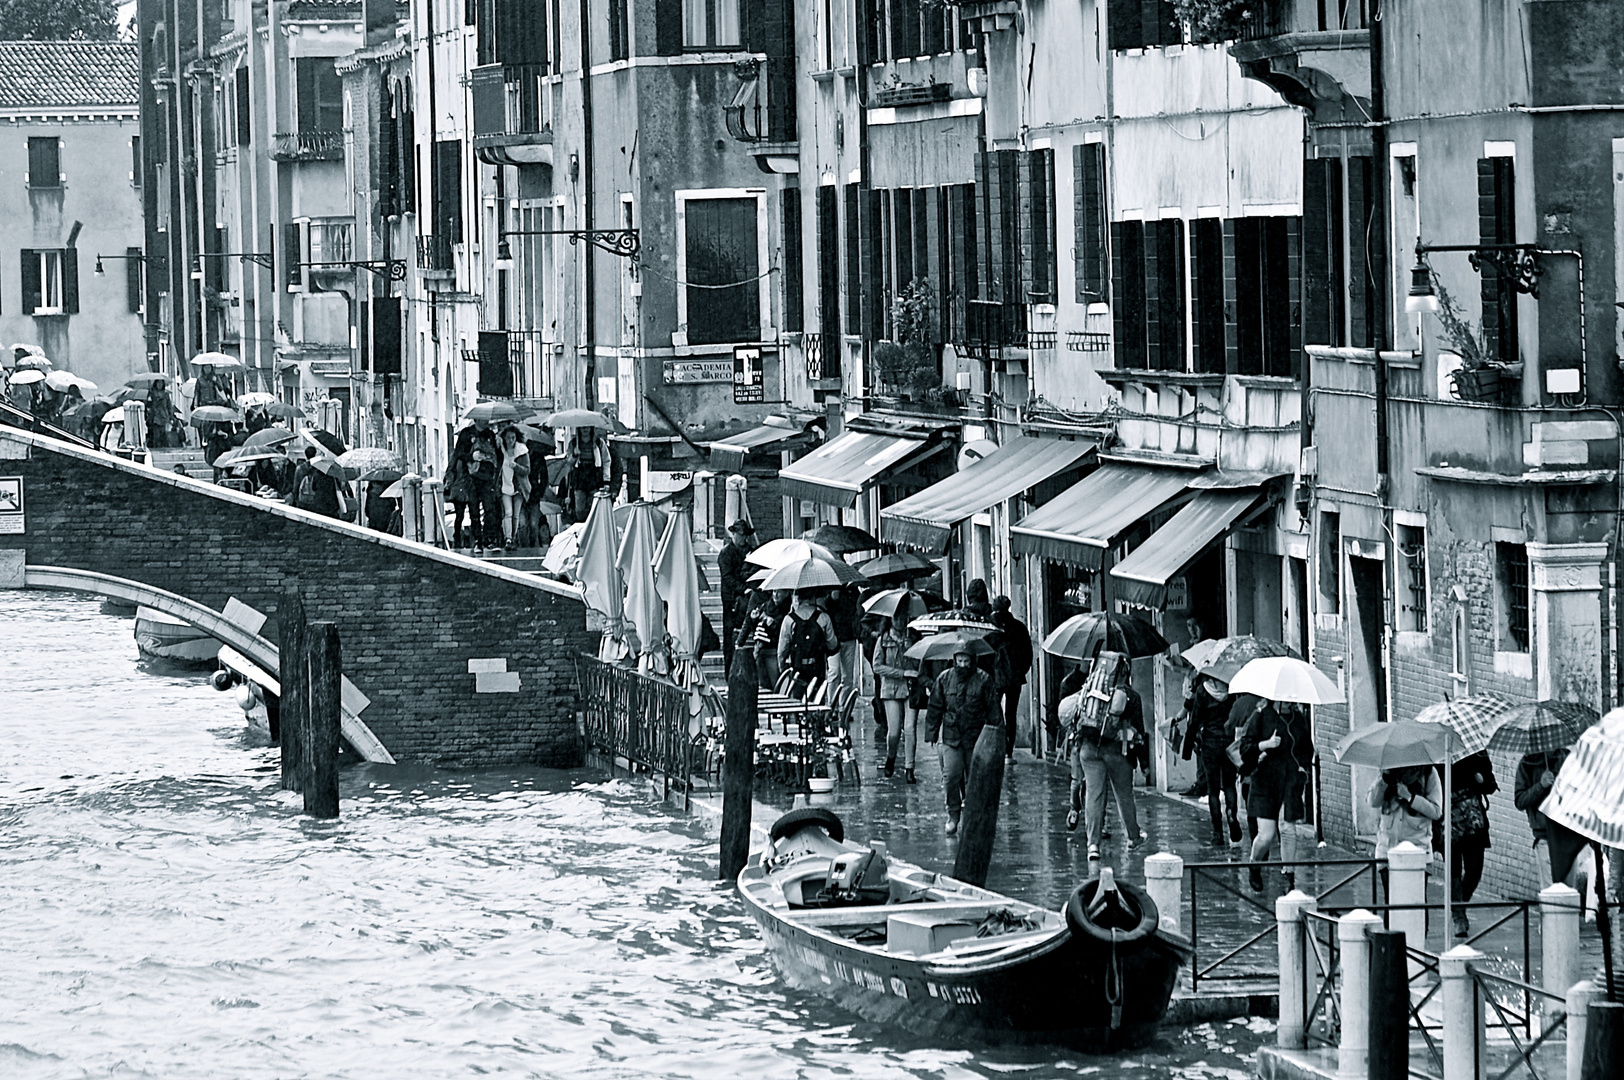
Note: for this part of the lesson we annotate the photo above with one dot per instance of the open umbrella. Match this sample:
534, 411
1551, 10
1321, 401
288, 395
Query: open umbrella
1079, 636
943, 646
955, 619
34, 361
900, 563
811, 574
1400, 744
842, 539
320, 438
573, 418
380, 476
242, 455
215, 414
888, 603
1199, 653
26, 376
1588, 797
1474, 719
1286, 678
255, 399
147, 378
329, 466
782, 552
60, 380
644, 608
275, 435
365, 459
282, 410
494, 412
564, 550
1230, 654
218, 361
1539, 727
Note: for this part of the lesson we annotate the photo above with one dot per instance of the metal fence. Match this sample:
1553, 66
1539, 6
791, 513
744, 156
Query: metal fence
637, 719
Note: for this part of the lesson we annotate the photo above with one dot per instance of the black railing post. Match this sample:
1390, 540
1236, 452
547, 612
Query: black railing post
1389, 1006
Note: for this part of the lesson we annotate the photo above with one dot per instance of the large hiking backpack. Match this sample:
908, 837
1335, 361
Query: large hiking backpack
808, 647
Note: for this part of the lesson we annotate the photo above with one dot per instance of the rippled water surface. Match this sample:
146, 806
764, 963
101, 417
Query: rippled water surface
166, 911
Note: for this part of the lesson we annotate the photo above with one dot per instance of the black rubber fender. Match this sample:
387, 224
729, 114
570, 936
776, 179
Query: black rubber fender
1149, 917
796, 820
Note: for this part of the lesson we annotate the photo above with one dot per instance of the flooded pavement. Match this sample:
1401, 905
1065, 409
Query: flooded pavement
166, 911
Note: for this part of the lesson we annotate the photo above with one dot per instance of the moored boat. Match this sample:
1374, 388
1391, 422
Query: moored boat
162, 636
898, 944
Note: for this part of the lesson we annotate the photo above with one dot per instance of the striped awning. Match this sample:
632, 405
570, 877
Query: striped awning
1078, 525
927, 519
730, 453
1142, 577
1588, 796
837, 471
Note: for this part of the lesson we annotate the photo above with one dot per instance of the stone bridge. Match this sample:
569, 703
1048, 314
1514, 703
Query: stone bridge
451, 660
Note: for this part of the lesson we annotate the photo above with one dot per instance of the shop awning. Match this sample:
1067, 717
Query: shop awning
1079, 524
1142, 577
835, 472
729, 453
927, 519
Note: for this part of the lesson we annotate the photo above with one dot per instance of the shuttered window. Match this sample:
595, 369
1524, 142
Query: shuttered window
829, 324
1207, 295
1038, 227
318, 93
50, 281
44, 162
854, 265
132, 279
448, 190
1142, 24
722, 265
1090, 262
794, 294
245, 108
1496, 224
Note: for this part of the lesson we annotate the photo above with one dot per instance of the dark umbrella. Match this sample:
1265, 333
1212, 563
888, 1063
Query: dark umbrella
281, 410
1539, 727
1229, 655
1079, 636
623, 514
326, 439
147, 378
275, 435
943, 646
842, 539
494, 412
900, 563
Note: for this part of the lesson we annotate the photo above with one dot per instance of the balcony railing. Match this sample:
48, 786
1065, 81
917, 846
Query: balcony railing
509, 112
434, 253
763, 105
530, 362
990, 326
308, 146
1276, 17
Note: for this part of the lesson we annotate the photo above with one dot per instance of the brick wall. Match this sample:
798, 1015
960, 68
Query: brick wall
409, 617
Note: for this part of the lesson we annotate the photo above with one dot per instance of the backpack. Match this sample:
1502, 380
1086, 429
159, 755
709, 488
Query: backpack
306, 495
808, 647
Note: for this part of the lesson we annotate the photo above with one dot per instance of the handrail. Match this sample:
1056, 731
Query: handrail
641, 719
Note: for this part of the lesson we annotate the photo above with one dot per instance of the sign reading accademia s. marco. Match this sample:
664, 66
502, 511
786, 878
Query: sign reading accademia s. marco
699, 371
11, 504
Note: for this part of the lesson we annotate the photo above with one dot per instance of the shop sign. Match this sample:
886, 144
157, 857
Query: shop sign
11, 505
1178, 595
698, 371
749, 385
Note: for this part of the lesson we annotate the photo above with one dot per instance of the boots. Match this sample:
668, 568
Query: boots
890, 766
1234, 831
1255, 873
908, 775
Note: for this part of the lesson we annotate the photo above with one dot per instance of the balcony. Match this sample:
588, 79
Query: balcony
990, 327
434, 255
510, 116
762, 113
308, 146
1316, 53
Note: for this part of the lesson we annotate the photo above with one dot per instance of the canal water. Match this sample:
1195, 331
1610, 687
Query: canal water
167, 912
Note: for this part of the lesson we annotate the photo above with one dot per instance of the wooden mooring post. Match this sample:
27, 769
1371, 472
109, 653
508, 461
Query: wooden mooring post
325, 704
294, 675
738, 764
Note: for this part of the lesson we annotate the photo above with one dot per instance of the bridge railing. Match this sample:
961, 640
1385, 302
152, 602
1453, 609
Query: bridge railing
637, 719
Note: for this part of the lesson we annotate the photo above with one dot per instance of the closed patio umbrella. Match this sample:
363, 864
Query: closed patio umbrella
599, 576
676, 575
644, 608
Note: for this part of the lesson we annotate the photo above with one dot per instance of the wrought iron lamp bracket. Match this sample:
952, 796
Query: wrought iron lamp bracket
394, 269
1518, 263
623, 242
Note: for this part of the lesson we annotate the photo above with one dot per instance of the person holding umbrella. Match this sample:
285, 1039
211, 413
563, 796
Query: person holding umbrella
1207, 710
895, 677
1410, 798
961, 703
807, 640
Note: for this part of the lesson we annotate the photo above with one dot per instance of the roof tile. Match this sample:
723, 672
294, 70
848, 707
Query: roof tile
62, 74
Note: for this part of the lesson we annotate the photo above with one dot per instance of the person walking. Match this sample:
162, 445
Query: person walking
1409, 800
1208, 708
961, 704
1470, 784
1266, 758
1555, 847
515, 484
1110, 726
846, 613
313, 489
895, 674
735, 575
760, 632
806, 641
1017, 645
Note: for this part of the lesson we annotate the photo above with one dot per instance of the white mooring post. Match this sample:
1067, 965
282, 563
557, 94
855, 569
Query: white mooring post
1292, 930
1164, 881
411, 507
1407, 884
1462, 1014
1352, 934
1580, 995
1558, 945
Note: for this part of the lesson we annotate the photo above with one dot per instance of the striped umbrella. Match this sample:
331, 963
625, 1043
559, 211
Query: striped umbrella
957, 619
1474, 719
1538, 727
1588, 796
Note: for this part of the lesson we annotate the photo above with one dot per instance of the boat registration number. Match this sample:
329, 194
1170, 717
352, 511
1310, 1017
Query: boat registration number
832, 969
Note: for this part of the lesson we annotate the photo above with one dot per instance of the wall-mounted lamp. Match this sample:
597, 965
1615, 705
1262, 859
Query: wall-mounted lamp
1422, 298
100, 270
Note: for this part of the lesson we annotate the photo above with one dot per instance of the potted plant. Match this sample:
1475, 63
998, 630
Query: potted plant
908, 365
1479, 377
1216, 20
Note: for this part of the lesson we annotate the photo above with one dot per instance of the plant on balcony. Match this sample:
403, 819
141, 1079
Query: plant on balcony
908, 365
1215, 20
1479, 378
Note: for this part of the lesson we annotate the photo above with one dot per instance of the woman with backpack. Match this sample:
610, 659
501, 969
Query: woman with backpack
806, 641
1471, 784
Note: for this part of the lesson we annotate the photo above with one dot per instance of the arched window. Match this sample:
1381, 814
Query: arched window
1458, 644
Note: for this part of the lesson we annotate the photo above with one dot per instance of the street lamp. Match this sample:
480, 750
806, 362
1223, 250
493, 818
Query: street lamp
100, 270
1422, 298
622, 242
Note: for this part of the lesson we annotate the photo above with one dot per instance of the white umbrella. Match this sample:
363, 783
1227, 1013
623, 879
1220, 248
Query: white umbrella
256, 398
564, 550
1286, 678
219, 361
25, 376
599, 575
60, 380
1588, 797
644, 608
776, 553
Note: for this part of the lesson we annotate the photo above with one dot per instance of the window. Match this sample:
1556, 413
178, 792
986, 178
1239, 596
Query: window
135, 160
710, 24
829, 261
245, 108
132, 280
1090, 262
902, 29
44, 162
1265, 285
854, 262
794, 302
1040, 224
1458, 643
1148, 281
50, 281
1330, 563
620, 31
1207, 296
1513, 581
1142, 24
1496, 224
448, 190
319, 93
721, 264
1412, 583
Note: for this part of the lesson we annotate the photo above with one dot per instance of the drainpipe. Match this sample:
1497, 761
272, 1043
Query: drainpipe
1377, 249
589, 305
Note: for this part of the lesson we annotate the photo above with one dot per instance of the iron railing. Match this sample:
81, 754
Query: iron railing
636, 719
308, 146
434, 253
530, 362
991, 326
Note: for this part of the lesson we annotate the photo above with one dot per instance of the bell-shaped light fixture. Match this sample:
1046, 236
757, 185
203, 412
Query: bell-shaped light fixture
504, 255
1422, 297
99, 270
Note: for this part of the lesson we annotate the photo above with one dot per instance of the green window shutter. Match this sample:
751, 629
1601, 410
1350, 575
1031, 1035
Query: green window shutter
70, 281
132, 278
29, 261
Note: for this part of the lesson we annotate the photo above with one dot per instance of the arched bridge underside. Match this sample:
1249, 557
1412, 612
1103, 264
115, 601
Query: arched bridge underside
452, 661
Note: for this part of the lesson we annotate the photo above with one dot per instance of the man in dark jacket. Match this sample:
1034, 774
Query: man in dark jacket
313, 489
1017, 646
1207, 709
961, 704
735, 573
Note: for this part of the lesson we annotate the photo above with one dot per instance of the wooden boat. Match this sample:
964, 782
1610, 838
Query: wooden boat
161, 636
898, 944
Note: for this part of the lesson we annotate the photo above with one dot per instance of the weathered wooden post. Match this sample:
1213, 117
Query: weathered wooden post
1604, 1041
738, 763
1389, 1006
1579, 997
981, 791
326, 703
294, 675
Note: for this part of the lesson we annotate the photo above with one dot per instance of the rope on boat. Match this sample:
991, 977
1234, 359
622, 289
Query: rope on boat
1113, 983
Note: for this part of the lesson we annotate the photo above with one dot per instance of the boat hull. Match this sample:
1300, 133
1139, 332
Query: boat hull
158, 636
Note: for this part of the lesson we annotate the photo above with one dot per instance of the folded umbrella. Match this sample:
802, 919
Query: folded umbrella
1400, 744
1539, 727
944, 646
781, 552
1079, 636
842, 539
1286, 678
811, 574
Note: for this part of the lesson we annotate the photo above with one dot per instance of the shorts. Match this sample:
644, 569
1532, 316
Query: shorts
1267, 794
1296, 808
